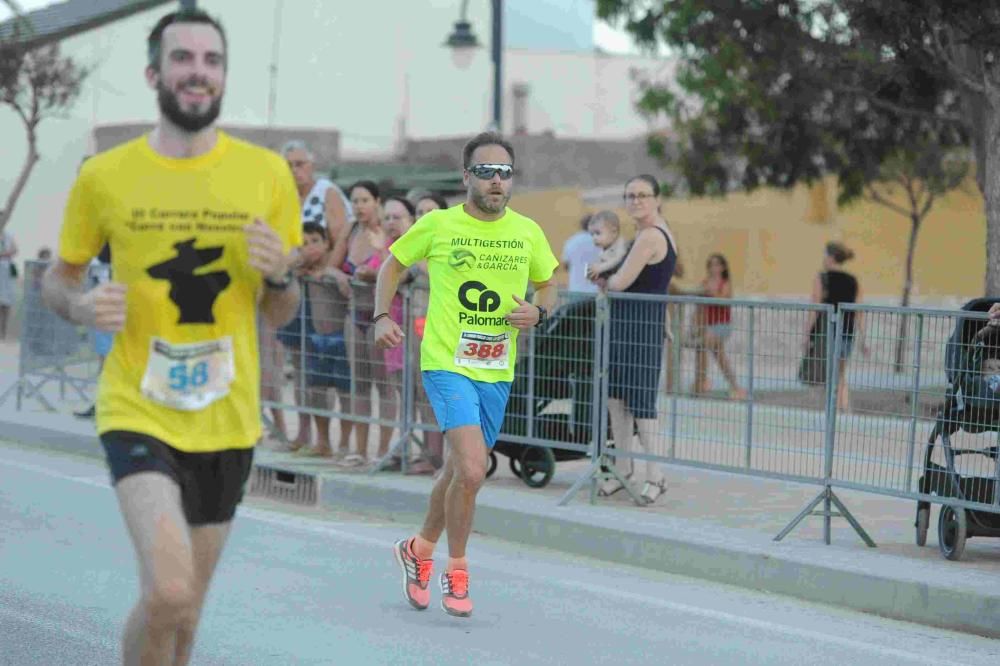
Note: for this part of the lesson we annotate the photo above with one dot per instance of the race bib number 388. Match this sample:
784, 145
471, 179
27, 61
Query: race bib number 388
479, 350
190, 376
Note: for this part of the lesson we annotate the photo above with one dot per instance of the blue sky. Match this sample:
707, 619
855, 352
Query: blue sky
605, 37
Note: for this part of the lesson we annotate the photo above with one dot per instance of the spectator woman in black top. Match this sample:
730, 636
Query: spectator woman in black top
636, 336
835, 286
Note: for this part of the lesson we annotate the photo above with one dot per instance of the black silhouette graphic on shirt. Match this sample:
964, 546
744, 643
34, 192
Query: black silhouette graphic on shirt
193, 294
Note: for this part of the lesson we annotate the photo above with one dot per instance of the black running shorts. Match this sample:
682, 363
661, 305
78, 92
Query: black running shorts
211, 483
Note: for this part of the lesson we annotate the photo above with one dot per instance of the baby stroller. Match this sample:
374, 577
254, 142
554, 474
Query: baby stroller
563, 365
970, 406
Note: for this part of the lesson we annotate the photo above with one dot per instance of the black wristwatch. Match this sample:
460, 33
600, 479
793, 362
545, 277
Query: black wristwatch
542, 315
281, 285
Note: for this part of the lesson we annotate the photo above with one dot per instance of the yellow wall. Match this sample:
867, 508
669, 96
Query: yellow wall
774, 239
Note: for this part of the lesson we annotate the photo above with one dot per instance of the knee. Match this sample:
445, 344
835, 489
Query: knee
470, 474
171, 603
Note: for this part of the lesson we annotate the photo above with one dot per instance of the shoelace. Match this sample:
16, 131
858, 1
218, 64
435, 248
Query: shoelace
424, 570
458, 582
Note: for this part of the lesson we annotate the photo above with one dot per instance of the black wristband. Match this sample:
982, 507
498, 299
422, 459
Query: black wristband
279, 286
379, 316
542, 315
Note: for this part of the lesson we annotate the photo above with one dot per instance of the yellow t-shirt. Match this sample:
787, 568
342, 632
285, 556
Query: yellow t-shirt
475, 269
175, 227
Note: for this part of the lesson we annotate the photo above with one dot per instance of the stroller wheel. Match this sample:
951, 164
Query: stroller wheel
923, 521
952, 530
538, 464
491, 465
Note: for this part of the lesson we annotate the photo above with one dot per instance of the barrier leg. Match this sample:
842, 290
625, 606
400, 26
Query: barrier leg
827, 496
600, 470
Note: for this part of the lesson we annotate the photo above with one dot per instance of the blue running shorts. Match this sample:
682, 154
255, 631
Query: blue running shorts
460, 401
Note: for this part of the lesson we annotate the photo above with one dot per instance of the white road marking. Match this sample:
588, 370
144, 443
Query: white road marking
315, 526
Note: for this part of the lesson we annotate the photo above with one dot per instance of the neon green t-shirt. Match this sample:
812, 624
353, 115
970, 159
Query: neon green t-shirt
475, 269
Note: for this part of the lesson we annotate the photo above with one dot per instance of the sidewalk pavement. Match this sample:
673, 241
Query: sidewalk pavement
710, 525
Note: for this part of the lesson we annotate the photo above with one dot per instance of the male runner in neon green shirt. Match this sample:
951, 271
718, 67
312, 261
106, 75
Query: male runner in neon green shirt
480, 257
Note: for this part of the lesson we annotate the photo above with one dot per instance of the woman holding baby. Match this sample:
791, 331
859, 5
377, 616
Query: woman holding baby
636, 337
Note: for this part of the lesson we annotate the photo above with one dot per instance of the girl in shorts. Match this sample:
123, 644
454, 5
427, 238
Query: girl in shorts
714, 325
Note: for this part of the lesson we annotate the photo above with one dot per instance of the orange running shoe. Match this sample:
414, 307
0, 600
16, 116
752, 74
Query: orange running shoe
416, 574
455, 593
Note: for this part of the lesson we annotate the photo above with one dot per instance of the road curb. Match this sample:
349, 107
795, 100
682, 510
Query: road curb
926, 593
690, 548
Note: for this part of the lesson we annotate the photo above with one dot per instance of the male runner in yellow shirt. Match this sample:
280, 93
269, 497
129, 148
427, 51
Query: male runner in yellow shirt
480, 257
200, 226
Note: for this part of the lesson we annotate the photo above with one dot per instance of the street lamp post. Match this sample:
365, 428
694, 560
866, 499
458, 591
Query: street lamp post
463, 43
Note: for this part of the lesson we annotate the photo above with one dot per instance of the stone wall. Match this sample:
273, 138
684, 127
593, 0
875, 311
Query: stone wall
549, 162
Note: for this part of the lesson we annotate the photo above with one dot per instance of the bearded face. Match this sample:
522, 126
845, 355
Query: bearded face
192, 116
191, 76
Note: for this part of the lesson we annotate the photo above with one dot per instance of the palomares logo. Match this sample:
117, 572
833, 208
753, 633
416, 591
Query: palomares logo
476, 297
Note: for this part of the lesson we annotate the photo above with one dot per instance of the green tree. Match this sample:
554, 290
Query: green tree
779, 92
35, 84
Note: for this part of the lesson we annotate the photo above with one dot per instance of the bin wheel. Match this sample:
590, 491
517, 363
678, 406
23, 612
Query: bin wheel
491, 465
538, 464
952, 530
923, 522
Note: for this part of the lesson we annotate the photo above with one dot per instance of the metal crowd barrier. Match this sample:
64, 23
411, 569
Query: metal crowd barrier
741, 386
51, 350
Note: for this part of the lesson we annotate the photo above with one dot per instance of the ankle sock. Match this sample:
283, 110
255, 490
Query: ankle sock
422, 548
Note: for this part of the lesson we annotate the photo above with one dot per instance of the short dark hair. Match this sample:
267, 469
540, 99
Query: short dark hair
369, 185
314, 228
649, 179
485, 139
154, 42
410, 208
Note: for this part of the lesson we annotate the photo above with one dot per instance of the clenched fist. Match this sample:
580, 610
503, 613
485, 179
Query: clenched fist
103, 307
388, 334
266, 252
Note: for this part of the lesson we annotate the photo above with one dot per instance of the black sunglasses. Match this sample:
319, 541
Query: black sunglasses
487, 171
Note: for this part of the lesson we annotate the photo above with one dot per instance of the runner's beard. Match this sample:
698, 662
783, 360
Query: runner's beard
186, 120
484, 203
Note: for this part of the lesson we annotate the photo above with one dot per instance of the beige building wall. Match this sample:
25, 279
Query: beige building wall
774, 240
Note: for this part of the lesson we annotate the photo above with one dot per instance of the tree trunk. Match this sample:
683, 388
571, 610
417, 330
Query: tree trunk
911, 248
991, 180
22, 180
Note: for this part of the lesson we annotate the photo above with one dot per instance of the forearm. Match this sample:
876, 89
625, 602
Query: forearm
278, 306
546, 297
62, 295
389, 276
618, 283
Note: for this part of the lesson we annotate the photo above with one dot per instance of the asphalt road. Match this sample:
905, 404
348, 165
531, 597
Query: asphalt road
306, 587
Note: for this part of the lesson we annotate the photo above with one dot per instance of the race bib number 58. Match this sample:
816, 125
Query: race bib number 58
190, 376
479, 350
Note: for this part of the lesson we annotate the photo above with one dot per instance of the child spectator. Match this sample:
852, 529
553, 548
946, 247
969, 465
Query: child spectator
713, 324
605, 230
316, 338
